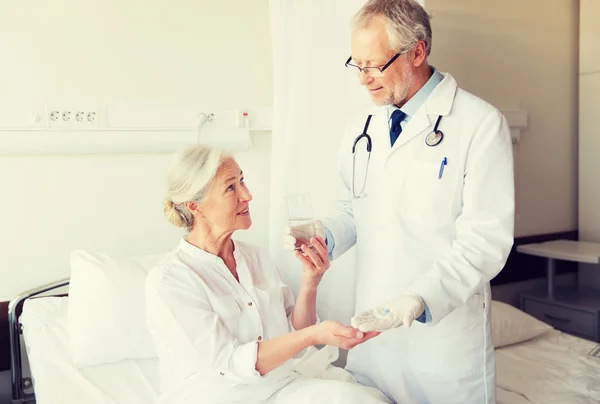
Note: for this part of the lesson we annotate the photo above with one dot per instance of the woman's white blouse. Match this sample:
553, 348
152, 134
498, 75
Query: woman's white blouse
206, 326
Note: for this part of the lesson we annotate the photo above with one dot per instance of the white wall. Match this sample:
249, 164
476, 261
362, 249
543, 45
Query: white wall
72, 51
190, 51
522, 54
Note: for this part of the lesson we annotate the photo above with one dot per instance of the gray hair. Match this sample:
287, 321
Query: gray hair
188, 179
407, 22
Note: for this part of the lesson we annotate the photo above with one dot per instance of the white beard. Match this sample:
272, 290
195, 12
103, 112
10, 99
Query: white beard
399, 93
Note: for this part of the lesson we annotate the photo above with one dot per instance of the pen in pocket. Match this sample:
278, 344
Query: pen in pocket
442, 164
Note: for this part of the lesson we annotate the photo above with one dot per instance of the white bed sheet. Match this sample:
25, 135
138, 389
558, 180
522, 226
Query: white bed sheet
56, 380
554, 368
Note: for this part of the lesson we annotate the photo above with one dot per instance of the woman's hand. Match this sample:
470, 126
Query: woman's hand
315, 261
333, 333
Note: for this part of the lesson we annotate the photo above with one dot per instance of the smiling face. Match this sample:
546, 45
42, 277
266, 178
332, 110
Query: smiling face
370, 47
226, 205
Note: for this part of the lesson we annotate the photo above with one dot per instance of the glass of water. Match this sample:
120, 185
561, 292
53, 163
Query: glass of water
300, 218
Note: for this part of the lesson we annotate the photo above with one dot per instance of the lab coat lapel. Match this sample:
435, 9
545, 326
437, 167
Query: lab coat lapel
439, 103
381, 132
417, 125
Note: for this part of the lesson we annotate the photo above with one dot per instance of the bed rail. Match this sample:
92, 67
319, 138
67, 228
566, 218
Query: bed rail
15, 307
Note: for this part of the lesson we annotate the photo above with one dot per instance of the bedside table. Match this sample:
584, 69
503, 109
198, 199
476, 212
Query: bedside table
572, 310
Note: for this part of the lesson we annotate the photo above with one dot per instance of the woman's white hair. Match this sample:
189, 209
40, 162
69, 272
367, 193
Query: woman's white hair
188, 179
407, 22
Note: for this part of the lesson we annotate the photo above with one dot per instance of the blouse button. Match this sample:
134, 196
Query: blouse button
249, 303
259, 338
222, 374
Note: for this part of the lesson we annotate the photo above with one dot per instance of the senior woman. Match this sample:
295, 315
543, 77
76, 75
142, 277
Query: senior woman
225, 327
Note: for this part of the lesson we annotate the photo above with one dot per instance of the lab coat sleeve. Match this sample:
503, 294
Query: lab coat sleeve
484, 229
339, 225
184, 320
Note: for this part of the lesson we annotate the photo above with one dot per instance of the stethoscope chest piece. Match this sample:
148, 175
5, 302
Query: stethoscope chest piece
434, 138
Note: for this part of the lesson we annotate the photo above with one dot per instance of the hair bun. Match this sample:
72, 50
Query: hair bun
173, 215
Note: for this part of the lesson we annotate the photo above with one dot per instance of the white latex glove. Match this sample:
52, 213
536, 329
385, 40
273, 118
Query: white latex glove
402, 310
289, 241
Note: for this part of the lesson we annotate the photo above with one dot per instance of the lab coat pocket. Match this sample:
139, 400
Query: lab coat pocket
458, 341
426, 193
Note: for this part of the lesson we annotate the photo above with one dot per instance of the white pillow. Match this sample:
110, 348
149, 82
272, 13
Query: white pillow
511, 325
107, 304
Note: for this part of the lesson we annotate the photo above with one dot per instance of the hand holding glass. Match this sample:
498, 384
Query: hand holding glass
300, 219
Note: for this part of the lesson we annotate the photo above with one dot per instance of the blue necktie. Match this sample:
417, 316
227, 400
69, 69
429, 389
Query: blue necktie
396, 128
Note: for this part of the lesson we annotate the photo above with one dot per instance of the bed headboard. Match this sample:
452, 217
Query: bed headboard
15, 308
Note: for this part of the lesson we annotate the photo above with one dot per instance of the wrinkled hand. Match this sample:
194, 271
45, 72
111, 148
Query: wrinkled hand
290, 242
314, 259
402, 310
333, 333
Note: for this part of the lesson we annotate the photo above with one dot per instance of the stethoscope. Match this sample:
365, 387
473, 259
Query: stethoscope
432, 139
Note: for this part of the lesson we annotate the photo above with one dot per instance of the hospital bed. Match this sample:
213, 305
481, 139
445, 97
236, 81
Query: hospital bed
535, 363
56, 379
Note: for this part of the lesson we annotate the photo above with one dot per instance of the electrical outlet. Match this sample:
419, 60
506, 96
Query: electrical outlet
95, 117
76, 117
59, 116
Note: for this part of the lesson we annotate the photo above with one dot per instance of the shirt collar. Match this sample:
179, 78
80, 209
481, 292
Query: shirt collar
199, 253
417, 100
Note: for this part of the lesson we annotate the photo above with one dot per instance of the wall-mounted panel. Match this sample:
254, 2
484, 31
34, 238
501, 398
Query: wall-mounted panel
121, 128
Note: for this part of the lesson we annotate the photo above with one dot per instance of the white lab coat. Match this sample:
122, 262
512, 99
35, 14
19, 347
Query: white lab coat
206, 327
442, 238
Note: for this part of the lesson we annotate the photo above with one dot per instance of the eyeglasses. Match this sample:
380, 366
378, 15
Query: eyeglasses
372, 71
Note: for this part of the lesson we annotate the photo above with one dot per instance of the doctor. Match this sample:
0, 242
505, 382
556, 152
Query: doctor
430, 213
